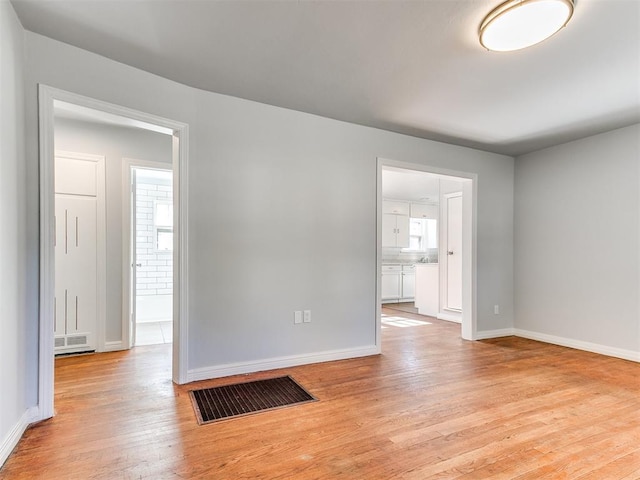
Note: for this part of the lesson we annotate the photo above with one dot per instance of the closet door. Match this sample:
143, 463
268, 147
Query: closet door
76, 270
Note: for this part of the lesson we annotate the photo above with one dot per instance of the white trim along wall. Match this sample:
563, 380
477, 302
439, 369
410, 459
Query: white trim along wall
47, 97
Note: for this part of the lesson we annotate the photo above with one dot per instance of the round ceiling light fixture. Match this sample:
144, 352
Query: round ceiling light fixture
517, 24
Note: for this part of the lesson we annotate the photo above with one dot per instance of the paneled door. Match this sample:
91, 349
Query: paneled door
79, 252
76, 272
454, 252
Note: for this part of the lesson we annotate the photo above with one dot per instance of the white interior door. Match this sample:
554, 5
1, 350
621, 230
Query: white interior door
454, 253
79, 305
76, 271
133, 258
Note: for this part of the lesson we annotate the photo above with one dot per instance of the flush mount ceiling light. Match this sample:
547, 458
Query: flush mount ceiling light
517, 24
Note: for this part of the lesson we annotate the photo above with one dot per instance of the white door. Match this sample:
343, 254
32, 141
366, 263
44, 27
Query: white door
454, 253
75, 301
80, 239
134, 261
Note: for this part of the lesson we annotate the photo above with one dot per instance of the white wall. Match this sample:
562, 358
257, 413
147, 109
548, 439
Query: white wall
14, 394
282, 211
577, 241
114, 143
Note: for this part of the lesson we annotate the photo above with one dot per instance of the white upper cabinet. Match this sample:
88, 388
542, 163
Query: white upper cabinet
419, 210
395, 224
395, 207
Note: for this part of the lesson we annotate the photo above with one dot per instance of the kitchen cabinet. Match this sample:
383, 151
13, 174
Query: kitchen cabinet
420, 210
397, 283
408, 282
395, 224
395, 207
391, 283
427, 289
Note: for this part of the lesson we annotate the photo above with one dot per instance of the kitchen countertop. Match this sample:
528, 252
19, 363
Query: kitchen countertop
404, 264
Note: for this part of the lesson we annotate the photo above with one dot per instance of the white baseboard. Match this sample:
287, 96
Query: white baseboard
113, 346
580, 345
503, 332
228, 369
449, 317
14, 436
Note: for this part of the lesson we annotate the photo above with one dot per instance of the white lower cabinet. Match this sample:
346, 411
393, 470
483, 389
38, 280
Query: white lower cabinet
397, 283
391, 283
408, 282
427, 289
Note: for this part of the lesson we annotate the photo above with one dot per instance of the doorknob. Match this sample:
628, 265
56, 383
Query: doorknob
450, 252
136, 265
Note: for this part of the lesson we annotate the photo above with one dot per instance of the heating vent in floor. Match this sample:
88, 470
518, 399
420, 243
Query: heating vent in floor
59, 342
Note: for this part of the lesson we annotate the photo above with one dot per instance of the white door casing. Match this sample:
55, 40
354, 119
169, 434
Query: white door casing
47, 98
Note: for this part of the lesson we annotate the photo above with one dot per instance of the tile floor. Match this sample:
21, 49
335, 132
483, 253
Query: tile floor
153, 333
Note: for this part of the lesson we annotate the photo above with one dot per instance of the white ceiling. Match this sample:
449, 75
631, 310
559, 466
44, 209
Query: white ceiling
401, 184
414, 67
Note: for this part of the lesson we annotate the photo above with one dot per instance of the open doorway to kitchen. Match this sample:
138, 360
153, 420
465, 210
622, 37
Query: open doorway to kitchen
425, 247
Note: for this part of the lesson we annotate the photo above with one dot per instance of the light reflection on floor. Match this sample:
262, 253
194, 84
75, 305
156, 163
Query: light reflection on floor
402, 322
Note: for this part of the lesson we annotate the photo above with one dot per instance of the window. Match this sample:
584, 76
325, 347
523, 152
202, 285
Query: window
416, 234
422, 234
163, 225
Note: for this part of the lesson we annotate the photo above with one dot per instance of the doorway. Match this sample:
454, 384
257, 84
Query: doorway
151, 252
49, 99
417, 199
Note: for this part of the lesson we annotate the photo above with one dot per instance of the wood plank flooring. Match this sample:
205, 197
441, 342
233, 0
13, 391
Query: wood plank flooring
432, 406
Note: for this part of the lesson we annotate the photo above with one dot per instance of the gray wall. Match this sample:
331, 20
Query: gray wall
17, 334
114, 143
282, 211
577, 240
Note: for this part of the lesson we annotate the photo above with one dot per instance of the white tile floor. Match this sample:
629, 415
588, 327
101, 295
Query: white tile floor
153, 333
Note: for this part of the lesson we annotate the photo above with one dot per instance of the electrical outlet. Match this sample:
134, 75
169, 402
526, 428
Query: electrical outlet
297, 317
307, 316
496, 309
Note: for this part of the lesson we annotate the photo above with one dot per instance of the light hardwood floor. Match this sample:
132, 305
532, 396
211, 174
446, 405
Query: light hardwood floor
431, 406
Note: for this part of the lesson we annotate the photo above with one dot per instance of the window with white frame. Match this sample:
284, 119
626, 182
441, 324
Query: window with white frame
163, 225
422, 234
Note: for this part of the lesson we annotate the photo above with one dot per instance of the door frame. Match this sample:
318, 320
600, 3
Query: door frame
128, 328
47, 96
469, 243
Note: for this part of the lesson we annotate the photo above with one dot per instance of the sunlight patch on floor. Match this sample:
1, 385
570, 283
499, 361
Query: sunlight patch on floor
395, 321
